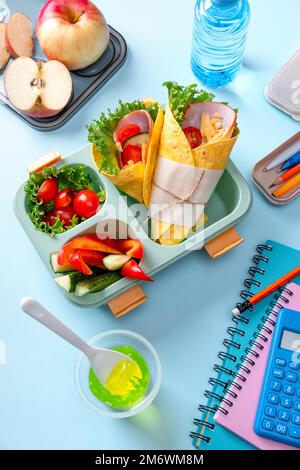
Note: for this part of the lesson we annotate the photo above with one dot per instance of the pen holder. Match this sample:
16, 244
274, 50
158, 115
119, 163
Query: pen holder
264, 179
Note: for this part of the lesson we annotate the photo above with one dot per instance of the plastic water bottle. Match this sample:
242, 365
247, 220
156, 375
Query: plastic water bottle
219, 40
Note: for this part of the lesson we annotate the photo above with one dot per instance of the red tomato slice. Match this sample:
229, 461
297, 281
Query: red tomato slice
86, 203
63, 198
194, 136
82, 259
132, 153
131, 247
128, 131
47, 191
65, 215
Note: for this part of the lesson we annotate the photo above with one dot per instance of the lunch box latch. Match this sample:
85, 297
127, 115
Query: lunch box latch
127, 301
50, 158
223, 243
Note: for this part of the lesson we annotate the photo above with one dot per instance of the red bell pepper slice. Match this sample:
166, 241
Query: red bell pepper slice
87, 242
131, 247
132, 270
81, 260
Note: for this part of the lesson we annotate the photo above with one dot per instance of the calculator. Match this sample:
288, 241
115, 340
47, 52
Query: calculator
278, 413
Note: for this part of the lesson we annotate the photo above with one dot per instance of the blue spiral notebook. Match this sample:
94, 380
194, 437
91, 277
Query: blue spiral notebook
271, 261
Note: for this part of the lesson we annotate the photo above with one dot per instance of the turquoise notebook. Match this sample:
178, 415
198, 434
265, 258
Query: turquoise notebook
270, 262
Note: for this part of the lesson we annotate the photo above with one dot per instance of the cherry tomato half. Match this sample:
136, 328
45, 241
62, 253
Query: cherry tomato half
48, 190
132, 153
194, 136
86, 203
128, 131
50, 218
63, 198
66, 214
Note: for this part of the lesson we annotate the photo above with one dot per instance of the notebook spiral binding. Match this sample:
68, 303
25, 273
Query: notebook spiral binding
242, 369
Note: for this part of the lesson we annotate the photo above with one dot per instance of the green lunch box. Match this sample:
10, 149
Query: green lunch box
229, 204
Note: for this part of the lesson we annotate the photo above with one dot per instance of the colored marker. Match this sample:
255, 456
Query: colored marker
283, 157
291, 162
286, 176
266, 292
284, 189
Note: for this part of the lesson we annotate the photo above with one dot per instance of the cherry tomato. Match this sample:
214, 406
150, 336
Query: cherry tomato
65, 215
47, 191
50, 218
128, 131
63, 198
194, 136
86, 203
132, 153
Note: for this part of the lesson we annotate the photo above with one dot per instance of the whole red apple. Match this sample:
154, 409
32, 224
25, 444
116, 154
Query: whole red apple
72, 31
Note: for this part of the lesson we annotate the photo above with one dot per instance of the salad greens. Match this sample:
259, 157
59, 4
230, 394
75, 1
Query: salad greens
100, 132
181, 97
74, 177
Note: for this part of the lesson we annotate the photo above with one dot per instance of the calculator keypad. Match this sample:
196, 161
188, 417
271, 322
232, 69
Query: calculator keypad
282, 409
270, 411
278, 373
289, 389
294, 365
284, 415
291, 377
286, 402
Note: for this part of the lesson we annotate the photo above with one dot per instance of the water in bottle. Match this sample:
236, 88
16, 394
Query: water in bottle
219, 39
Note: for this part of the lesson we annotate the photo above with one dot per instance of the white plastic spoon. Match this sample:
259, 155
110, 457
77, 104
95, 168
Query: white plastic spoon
101, 360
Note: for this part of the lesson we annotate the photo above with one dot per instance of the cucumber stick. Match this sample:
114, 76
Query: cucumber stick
96, 283
138, 139
115, 262
58, 268
69, 281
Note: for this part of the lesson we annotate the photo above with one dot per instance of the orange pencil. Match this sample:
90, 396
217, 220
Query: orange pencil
267, 291
287, 175
291, 184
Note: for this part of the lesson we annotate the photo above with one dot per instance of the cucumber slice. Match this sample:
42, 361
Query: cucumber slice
96, 283
69, 281
115, 262
59, 268
138, 140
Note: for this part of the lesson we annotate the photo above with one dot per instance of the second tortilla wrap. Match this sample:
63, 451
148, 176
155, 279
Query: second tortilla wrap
208, 158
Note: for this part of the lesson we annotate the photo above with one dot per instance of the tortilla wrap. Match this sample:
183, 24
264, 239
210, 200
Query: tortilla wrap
192, 173
136, 180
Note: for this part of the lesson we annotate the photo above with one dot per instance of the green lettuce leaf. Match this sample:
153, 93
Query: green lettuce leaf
181, 97
100, 132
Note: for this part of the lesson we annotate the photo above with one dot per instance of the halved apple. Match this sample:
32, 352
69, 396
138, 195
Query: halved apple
19, 35
4, 54
39, 89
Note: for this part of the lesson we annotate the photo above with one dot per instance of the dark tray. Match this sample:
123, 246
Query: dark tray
86, 82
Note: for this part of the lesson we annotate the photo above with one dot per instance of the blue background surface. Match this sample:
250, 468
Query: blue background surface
190, 303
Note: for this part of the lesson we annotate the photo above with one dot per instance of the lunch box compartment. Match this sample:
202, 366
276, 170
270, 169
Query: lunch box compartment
224, 199
113, 228
97, 184
86, 82
228, 206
